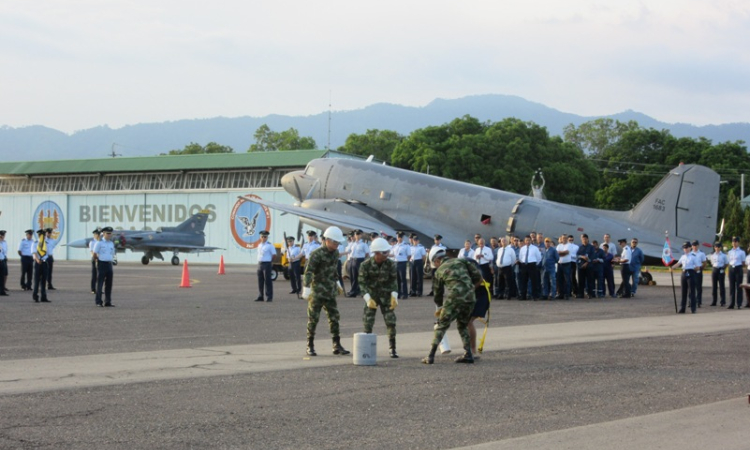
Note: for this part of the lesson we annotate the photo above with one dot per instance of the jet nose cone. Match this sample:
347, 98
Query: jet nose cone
80, 243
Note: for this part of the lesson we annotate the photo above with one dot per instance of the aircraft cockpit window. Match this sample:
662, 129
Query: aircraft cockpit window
309, 170
385, 195
485, 219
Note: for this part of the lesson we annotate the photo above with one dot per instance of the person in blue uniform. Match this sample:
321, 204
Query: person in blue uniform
418, 254
719, 263
294, 256
27, 261
39, 253
358, 252
51, 245
94, 272
266, 252
401, 253
104, 254
736, 258
688, 263
700, 264
3, 263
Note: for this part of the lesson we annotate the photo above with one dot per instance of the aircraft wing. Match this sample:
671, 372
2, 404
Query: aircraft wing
369, 220
161, 246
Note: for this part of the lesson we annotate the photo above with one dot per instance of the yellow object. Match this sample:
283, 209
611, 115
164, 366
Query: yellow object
394, 300
438, 312
370, 302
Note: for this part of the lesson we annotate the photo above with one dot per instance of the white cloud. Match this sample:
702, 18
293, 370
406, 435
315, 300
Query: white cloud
78, 64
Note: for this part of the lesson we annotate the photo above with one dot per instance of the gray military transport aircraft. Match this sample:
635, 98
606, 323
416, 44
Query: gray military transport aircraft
187, 237
374, 197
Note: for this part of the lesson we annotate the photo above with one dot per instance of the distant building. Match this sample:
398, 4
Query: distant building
76, 196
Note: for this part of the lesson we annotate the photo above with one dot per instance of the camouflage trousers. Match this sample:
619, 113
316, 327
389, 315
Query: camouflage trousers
368, 319
461, 313
313, 315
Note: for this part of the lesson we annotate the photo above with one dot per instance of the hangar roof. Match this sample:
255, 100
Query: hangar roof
166, 163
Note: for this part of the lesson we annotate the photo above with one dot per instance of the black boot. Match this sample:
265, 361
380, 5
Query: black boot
337, 348
392, 352
467, 357
311, 347
430, 359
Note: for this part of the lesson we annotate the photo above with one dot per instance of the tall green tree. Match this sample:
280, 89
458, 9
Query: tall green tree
503, 155
734, 216
595, 136
197, 149
379, 143
267, 140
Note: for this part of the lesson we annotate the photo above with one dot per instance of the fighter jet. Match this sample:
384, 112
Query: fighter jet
355, 194
187, 237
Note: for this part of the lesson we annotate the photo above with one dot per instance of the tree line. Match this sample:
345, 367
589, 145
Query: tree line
602, 163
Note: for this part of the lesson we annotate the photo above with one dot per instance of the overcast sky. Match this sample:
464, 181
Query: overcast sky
77, 64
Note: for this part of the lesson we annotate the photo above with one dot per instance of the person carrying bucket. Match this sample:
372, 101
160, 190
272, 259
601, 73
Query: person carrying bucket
378, 282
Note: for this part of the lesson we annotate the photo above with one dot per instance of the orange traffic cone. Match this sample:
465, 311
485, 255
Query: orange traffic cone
185, 276
221, 266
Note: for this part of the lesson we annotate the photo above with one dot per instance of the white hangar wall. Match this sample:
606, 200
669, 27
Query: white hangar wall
74, 216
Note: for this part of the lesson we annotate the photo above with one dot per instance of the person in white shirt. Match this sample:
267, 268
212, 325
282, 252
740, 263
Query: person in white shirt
624, 261
466, 252
563, 269
266, 252
506, 262
529, 258
483, 257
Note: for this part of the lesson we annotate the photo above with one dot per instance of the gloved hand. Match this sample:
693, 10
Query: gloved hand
394, 300
339, 288
370, 302
438, 312
306, 293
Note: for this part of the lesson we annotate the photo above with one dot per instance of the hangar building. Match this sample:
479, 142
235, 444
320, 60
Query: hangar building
76, 196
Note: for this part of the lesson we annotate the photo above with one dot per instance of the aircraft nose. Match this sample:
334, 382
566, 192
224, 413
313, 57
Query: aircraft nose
297, 184
80, 243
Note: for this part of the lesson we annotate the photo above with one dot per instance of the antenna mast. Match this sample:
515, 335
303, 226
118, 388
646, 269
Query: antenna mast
328, 145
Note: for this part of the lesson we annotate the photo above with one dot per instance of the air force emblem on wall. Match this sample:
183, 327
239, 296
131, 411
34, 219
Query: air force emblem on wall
49, 215
248, 219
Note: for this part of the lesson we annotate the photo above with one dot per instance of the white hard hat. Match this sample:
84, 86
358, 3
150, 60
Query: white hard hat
436, 253
380, 245
334, 233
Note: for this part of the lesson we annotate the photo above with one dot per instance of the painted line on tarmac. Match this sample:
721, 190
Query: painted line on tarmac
45, 374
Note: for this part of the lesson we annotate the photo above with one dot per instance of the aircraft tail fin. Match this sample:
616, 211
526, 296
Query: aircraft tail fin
195, 224
685, 204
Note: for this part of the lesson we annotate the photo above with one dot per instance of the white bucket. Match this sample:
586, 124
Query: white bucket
365, 352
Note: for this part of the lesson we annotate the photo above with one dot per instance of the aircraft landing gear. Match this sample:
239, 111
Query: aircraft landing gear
145, 260
175, 260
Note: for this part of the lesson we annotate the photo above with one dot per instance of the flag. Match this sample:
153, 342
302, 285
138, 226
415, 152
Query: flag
666, 254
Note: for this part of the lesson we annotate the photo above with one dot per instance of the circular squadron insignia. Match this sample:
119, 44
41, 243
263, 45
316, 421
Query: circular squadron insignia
49, 215
248, 219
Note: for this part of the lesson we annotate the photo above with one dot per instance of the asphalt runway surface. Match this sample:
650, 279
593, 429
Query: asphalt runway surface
206, 367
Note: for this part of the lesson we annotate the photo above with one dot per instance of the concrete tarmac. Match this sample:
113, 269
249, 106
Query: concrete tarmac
206, 367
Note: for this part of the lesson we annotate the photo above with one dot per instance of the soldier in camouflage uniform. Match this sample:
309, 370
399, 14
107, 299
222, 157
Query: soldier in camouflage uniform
459, 278
320, 287
378, 281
